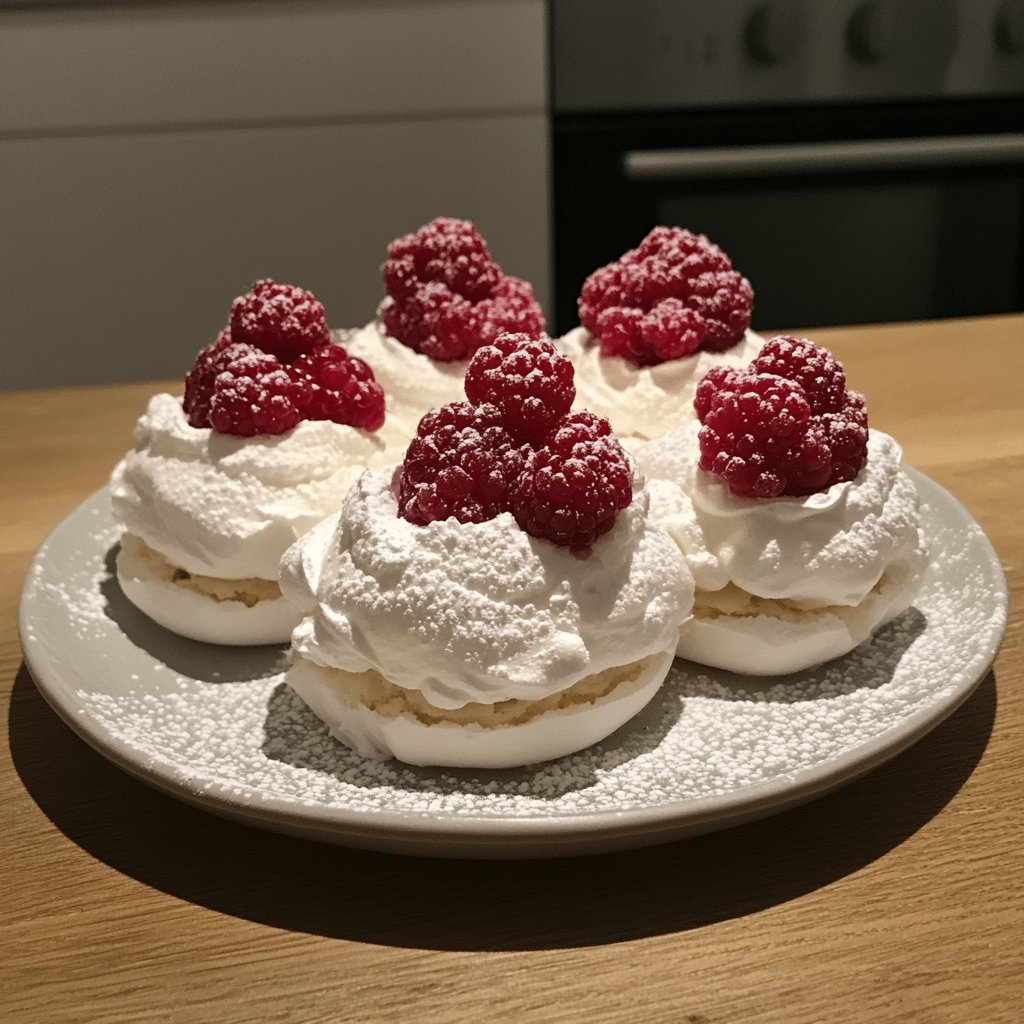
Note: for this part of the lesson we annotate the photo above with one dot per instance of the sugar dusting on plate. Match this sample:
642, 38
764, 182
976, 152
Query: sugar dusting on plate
233, 726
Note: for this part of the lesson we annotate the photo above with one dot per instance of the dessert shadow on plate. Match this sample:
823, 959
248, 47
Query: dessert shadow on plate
294, 735
312, 888
207, 663
870, 665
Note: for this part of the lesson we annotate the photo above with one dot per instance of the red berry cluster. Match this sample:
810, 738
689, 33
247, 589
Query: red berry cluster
527, 379
784, 425
447, 297
462, 463
516, 447
674, 294
574, 485
274, 366
280, 319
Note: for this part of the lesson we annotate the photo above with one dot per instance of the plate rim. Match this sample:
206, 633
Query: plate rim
472, 835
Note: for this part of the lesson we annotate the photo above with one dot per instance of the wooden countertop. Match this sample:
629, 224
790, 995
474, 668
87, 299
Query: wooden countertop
897, 898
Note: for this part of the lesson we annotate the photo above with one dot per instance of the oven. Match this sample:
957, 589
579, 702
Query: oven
859, 161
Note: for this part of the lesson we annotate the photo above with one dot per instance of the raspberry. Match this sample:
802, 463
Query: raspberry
527, 379
847, 434
768, 434
815, 369
714, 380
461, 463
341, 387
572, 488
855, 409
446, 250
253, 394
447, 297
674, 294
281, 319
432, 320
510, 307
575, 427
199, 381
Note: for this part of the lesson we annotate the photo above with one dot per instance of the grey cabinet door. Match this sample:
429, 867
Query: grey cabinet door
122, 253
155, 160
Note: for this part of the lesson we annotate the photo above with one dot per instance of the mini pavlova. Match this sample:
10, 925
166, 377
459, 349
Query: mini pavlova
275, 424
499, 599
653, 322
445, 297
801, 526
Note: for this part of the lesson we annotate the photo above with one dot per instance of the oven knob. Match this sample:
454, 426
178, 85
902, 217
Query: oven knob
871, 31
774, 33
1009, 27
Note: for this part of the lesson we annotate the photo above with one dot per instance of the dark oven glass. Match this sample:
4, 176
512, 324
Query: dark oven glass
822, 245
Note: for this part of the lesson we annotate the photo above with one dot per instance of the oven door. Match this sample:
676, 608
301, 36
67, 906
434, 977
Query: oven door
831, 226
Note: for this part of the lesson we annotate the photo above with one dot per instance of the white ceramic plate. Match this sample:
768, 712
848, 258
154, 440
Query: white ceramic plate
217, 728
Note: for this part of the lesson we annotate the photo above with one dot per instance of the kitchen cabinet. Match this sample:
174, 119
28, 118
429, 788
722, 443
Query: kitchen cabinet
155, 159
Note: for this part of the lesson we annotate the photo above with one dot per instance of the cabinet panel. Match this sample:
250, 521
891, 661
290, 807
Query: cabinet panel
121, 254
83, 68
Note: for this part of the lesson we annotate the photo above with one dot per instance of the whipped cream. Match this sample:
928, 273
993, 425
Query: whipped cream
413, 383
480, 612
825, 549
228, 506
644, 402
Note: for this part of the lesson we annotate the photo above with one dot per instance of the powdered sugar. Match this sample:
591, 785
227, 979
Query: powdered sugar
481, 611
229, 506
222, 723
828, 548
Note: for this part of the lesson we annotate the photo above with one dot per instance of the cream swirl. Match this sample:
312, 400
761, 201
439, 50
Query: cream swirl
824, 549
228, 506
644, 402
480, 612
413, 382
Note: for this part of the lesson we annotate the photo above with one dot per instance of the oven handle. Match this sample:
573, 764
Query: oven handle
804, 158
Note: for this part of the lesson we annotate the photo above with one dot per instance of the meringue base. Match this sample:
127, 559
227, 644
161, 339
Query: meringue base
734, 630
379, 720
218, 611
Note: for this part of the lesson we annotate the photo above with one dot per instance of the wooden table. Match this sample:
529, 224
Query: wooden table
898, 898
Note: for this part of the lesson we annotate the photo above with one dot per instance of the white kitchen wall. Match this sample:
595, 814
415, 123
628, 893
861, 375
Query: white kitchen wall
155, 159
